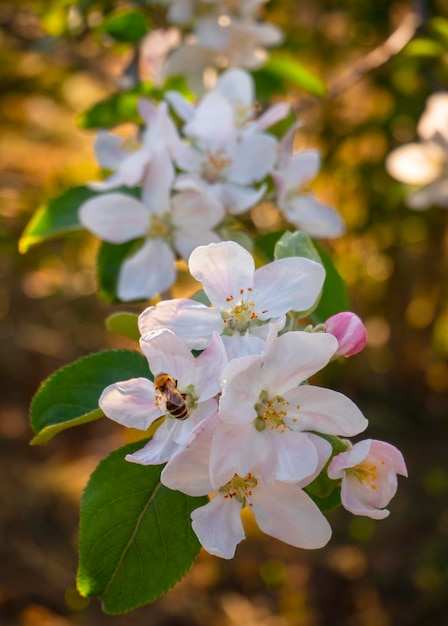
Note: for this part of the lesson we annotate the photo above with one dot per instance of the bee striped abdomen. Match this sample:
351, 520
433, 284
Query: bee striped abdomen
180, 412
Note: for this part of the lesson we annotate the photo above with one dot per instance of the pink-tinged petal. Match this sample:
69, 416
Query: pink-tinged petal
286, 146
391, 454
416, 163
224, 269
253, 158
291, 284
354, 499
237, 199
211, 35
156, 194
146, 273
189, 239
323, 450
349, 331
294, 357
208, 369
130, 403
133, 168
192, 321
114, 217
296, 456
238, 449
301, 168
159, 450
243, 345
167, 353
204, 127
271, 116
109, 150
435, 193
188, 471
237, 86
196, 210
287, 513
218, 526
353, 456
241, 387
147, 110
184, 109
308, 214
323, 410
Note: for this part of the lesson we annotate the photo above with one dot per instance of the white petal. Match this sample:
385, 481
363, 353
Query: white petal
218, 526
301, 168
253, 159
184, 109
237, 86
195, 210
156, 194
241, 387
355, 498
204, 125
243, 345
296, 456
290, 284
187, 240
416, 163
159, 450
146, 273
167, 353
271, 116
324, 411
109, 151
294, 357
434, 121
208, 368
133, 167
114, 217
130, 403
286, 512
318, 220
223, 269
191, 321
237, 199
435, 193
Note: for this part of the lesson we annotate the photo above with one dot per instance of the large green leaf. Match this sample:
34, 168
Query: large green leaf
287, 68
136, 539
334, 298
296, 243
110, 259
126, 26
56, 217
117, 109
124, 324
70, 396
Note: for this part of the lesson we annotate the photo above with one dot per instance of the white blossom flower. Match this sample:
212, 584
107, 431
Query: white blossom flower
265, 409
292, 174
132, 403
425, 163
169, 224
247, 304
130, 158
368, 471
282, 510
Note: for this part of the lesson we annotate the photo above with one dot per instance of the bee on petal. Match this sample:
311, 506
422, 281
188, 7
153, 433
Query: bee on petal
168, 397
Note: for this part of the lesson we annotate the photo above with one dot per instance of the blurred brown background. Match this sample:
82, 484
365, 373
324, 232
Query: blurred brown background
395, 261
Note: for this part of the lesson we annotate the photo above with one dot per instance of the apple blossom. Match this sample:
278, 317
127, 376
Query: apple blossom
247, 304
132, 403
282, 510
292, 174
265, 409
368, 471
425, 163
350, 332
169, 225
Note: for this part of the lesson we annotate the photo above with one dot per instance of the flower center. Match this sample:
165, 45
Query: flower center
271, 413
214, 165
242, 315
240, 488
160, 226
367, 473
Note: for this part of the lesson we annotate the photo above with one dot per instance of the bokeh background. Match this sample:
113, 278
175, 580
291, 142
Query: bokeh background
394, 260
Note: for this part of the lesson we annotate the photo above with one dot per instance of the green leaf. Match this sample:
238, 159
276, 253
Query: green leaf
117, 109
287, 67
296, 243
334, 298
124, 324
56, 217
424, 47
136, 539
69, 397
110, 259
126, 26
439, 25
266, 243
327, 503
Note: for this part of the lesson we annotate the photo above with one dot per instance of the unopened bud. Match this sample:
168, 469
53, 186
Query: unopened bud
349, 331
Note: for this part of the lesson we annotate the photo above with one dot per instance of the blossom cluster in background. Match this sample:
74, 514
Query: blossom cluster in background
425, 163
222, 162
255, 433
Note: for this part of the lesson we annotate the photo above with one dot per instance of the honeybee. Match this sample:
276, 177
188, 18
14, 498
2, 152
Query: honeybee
168, 397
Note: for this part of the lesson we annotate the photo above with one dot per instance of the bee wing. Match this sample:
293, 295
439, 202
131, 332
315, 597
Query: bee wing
160, 401
175, 397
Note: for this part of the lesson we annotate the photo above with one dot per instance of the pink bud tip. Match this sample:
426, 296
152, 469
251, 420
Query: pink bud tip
349, 331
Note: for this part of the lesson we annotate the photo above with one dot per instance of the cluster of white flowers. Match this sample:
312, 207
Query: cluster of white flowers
425, 163
255, 432
219, 163
209, 34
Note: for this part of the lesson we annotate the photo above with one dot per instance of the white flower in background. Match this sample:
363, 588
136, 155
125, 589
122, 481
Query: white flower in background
247, 304
153, 51
282, 510
221, 159
169, 225
130, 158
292, 174
132, 403
265, 409
368, 471
425, 163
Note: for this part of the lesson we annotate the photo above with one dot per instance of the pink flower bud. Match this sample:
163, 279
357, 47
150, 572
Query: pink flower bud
349, 331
